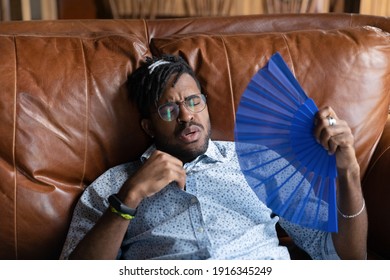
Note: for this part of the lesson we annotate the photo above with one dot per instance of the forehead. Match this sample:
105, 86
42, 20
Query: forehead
184, 86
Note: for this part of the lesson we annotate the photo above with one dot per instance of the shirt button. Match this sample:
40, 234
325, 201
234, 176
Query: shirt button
200, 229
194, 200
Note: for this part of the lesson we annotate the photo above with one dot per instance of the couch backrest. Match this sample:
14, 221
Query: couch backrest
66, 117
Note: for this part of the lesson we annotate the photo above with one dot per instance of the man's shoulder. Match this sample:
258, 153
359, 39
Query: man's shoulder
118, 172
123, 166
221, 143
225, 148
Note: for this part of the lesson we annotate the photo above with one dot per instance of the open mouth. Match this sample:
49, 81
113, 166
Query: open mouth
190, 134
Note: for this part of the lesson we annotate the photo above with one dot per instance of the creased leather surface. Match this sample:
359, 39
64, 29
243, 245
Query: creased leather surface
66, 119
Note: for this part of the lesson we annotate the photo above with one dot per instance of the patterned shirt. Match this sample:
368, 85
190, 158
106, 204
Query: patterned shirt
218, 216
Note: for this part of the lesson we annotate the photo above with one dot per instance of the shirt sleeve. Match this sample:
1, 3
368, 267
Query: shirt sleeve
318, 244
91, 206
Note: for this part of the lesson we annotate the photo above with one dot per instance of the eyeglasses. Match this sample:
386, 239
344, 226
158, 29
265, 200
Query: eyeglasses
170, 111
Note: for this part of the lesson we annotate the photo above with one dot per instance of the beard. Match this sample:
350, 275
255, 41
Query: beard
185, 152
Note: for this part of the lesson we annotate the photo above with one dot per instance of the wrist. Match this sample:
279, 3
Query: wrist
121, 209
349, 174
129, 195
350, 195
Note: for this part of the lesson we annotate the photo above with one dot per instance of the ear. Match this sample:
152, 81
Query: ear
147, 126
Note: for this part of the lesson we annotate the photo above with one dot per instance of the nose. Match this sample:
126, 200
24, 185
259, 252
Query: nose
185, 115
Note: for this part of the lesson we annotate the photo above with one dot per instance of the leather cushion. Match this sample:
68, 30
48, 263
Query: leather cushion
67, 119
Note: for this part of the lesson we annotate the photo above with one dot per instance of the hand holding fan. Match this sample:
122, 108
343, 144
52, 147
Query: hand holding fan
278, 153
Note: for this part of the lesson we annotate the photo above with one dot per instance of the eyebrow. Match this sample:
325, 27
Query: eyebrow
186, 98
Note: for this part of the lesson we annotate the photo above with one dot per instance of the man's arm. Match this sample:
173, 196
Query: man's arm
350, 241
105, 238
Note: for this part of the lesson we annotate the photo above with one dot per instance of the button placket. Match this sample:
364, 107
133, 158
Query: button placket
198, 223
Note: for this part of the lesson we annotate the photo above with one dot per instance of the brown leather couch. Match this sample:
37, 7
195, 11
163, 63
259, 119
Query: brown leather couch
66, 118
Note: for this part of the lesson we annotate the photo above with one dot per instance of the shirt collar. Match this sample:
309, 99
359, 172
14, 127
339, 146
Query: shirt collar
214, 153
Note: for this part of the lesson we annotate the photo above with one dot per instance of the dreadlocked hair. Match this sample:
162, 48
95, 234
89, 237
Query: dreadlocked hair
148, 83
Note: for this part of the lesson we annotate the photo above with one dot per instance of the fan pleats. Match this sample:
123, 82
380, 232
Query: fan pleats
278, 153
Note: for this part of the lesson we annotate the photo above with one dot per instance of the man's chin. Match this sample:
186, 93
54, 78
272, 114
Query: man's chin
186, 152
189, 154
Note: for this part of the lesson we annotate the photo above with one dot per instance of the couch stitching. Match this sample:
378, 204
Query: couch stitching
86, 116
146, 32
283, 35
351, 20
14, 151
230, 77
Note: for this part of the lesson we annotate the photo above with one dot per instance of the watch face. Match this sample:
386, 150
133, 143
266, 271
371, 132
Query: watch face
114, 201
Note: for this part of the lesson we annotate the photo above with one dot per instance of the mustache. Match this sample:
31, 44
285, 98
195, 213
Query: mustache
183, 126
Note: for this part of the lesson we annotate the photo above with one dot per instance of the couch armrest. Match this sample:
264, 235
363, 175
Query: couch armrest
376, 188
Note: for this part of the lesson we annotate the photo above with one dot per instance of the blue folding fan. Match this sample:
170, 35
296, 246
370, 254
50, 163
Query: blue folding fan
278, 153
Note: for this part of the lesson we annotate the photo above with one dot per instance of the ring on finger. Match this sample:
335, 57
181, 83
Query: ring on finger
332, 121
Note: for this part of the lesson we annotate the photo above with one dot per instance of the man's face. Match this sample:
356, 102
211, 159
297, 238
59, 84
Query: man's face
187, 136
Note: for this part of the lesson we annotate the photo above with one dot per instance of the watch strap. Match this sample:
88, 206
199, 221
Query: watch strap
117, 204
123, 215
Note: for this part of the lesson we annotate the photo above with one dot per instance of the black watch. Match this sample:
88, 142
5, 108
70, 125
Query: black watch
119, 206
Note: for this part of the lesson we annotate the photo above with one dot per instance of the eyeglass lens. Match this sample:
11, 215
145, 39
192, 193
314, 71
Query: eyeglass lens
194, 103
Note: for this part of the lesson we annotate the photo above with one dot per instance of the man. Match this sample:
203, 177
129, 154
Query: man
186, 198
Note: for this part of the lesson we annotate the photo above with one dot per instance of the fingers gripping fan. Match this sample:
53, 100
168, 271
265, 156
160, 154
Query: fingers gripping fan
278, 153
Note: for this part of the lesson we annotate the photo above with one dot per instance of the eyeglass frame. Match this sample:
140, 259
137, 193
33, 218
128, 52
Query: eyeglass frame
178, 103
